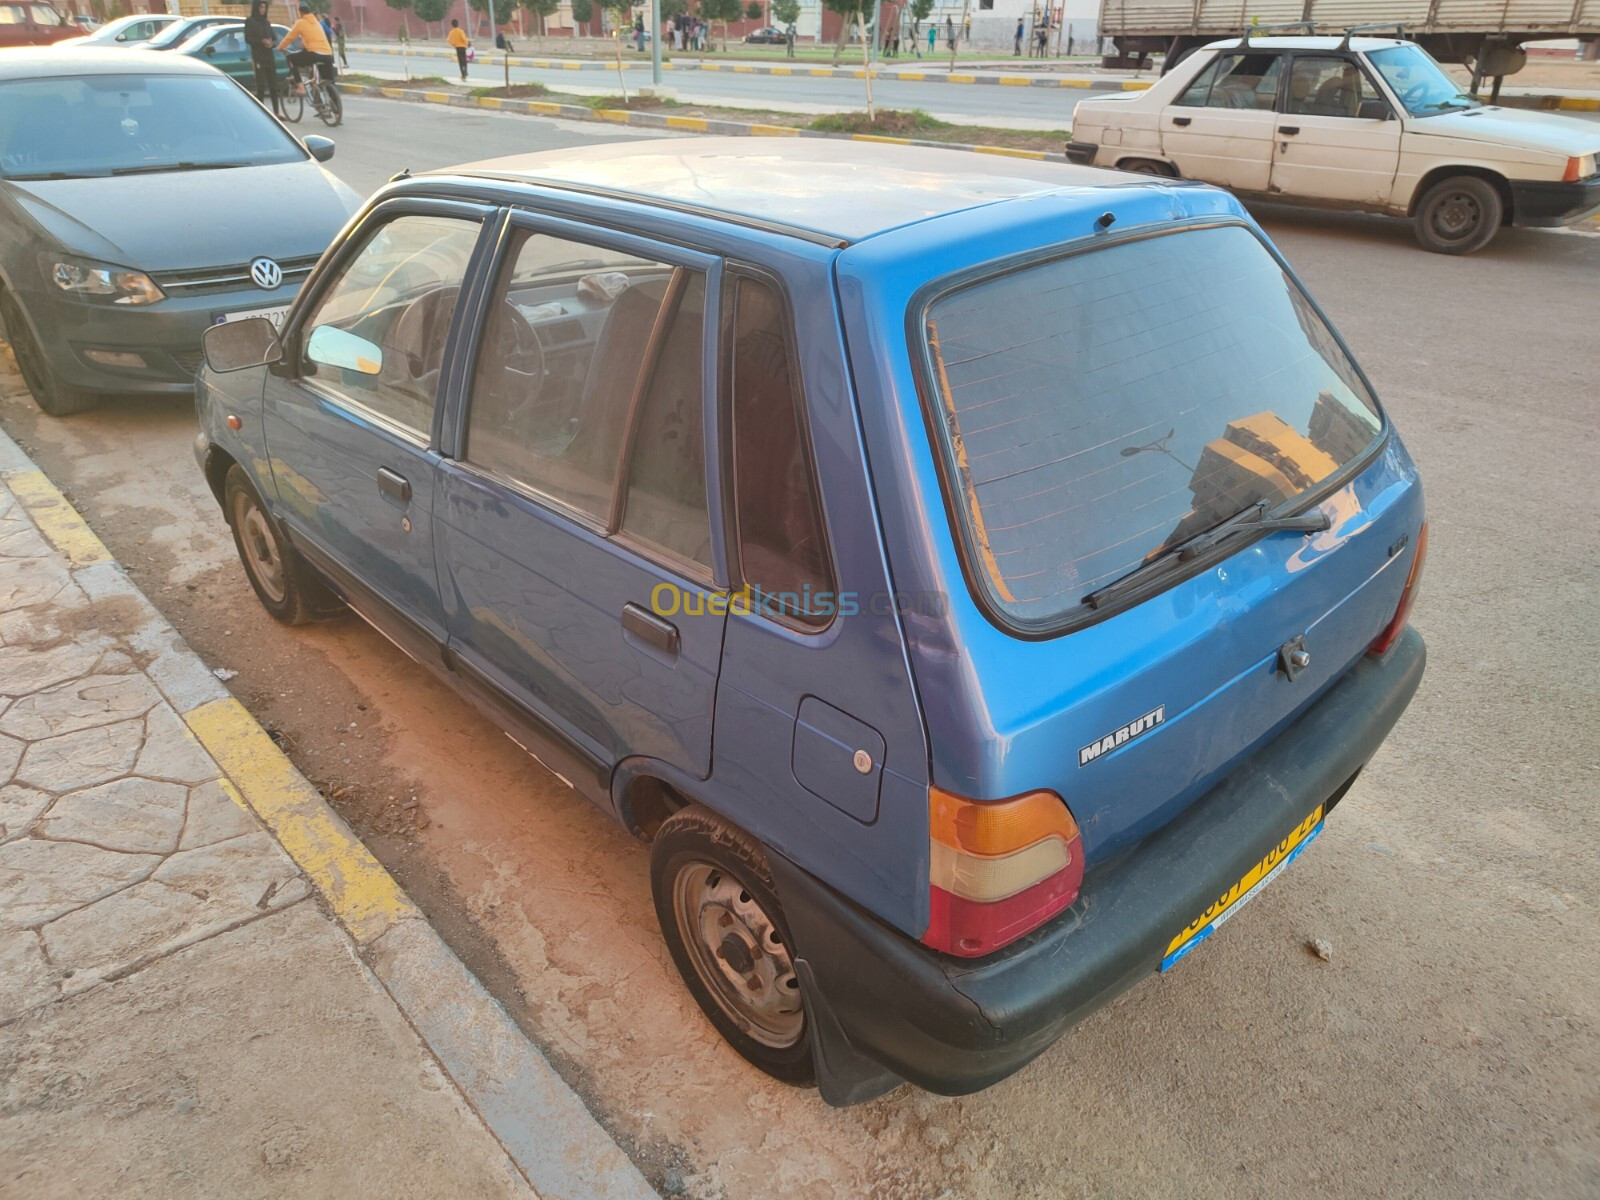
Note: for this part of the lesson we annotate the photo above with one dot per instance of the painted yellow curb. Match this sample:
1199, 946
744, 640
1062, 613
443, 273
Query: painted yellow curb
1578, 104
60, 523
775, 130
963, 78
698, 124
1077, 83
878, 137
489, 101
364, 896
1130, 85
620, 115
1016, 81
436, 97
1010, 152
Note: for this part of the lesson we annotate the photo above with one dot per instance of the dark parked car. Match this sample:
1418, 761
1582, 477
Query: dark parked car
179, 32
223, 47
766, 37
974, 580
143, 198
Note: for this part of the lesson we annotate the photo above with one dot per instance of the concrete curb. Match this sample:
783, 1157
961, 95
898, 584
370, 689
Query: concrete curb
540, 1122
968, 77
649, 120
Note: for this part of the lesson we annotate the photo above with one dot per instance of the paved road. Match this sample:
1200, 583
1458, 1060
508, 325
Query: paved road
1012, 107
1449, 1048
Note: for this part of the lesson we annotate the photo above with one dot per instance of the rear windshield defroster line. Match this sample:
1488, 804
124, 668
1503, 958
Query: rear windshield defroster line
1098, 408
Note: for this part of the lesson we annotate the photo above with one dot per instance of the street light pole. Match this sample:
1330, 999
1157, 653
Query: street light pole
877, 33
655, 43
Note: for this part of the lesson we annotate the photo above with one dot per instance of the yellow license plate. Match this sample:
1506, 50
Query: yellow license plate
1241, 893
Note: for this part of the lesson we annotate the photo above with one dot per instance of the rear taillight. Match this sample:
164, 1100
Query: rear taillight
1408, 599
999, 869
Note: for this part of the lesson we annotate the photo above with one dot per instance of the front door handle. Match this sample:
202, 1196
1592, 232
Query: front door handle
394, 486
1181, 120
1288, 130
650, 629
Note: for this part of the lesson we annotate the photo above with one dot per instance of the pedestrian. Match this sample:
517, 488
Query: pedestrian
258, 36
1042, 35
966, 29
638, 34
1016, 42
788, 37
933, 37
950, 32
338, 41
457, 37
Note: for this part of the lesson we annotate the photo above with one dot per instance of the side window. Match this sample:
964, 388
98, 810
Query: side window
377, 336
564, 345
1194, 96
782, 546
666, 500
1327, 87
11, 14
1247, 81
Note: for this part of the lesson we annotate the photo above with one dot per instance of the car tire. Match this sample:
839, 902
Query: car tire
722, 922
1459, 215
287, 588
49, 393
1146, 166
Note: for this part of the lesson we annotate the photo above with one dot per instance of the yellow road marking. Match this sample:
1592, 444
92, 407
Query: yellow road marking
362, 894
62, 525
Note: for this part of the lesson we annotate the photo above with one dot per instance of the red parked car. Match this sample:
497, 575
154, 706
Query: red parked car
33, 23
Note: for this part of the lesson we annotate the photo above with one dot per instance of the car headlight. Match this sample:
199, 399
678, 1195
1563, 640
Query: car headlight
114, 285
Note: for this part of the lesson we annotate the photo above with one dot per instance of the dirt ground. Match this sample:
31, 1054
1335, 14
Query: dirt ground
1448, 1048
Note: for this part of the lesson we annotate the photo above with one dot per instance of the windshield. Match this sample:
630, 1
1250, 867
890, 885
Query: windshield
119, 124
1102, 407
1420, 83
178, 31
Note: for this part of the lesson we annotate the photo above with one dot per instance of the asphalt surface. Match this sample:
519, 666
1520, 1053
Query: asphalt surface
1448, 1047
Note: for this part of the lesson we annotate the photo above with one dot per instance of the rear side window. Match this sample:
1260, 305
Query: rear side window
1101, 407
1248, 81
781, 543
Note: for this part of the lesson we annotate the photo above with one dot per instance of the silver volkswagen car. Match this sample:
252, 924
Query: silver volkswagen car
143, 198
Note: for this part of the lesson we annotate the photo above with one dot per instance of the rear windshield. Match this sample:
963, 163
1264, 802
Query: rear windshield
1102, 407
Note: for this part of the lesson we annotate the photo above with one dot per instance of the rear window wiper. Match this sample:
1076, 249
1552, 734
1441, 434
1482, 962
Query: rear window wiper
1252, 519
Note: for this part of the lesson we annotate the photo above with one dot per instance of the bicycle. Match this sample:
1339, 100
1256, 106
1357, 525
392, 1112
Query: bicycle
323, 94
287, 103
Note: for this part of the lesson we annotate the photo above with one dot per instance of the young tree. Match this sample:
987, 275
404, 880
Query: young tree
499, 14
723, 11
401, 6
542, 10
583, 13
752, 11
849, 11
429, 11
787, 12
622, 15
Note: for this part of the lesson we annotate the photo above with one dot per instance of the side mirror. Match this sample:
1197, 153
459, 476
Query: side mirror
1374, 110
334, 347
122, 37
321, 148
211, 51
238, 345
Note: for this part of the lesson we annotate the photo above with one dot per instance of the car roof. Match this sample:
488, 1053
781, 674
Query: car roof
822, 189
1362, 45
54, 62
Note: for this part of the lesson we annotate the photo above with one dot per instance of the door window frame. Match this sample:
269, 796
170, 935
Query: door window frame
1369, 76
331, 270
472, 316
1215, 66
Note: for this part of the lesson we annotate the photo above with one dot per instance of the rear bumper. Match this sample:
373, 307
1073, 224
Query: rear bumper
1538, 203
1082, 153
885, 1009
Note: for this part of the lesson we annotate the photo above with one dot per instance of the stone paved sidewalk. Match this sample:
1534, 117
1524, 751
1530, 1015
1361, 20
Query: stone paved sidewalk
181, 1011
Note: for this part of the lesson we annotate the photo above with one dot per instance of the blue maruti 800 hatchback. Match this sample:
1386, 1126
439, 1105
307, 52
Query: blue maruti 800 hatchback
972, 578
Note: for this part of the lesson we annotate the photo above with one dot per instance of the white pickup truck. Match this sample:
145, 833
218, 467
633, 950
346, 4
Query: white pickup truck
1356, 122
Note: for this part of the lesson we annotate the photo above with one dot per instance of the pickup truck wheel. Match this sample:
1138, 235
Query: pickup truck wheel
1459, 215
722, 922
286, 587
1146, 166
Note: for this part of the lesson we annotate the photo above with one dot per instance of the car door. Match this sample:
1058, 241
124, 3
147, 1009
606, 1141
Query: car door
1220, 128
584, 580
227, 52
1337, 138
350, 416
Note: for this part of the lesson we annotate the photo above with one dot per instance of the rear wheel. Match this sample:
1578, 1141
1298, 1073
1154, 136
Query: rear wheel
286, 587
1459, 215
332, 111
49, 393
722, 922
1146, 166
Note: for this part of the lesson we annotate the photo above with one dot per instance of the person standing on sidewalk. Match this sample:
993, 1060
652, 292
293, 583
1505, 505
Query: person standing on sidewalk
933, 37
457, 37
258, 36
338, 42
788, 38
638, 34
1016, 42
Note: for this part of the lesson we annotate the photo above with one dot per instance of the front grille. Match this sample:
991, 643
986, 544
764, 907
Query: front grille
188, 360
199, 281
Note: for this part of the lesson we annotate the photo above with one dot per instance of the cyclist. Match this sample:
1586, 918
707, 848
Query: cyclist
314, 47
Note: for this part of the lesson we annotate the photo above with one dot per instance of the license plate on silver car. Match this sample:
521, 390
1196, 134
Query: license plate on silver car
275, 315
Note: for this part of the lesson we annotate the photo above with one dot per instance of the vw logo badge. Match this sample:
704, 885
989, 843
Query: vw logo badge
266, 273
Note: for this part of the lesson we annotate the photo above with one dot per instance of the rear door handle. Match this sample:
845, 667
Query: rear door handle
1181, 120
1288, 130
394, 486
650, 629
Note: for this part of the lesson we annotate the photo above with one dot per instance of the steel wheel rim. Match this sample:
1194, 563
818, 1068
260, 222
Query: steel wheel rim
260, 549
1456, 216
738, 954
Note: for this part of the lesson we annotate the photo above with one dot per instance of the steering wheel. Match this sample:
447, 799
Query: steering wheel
1414, 92
418, 334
